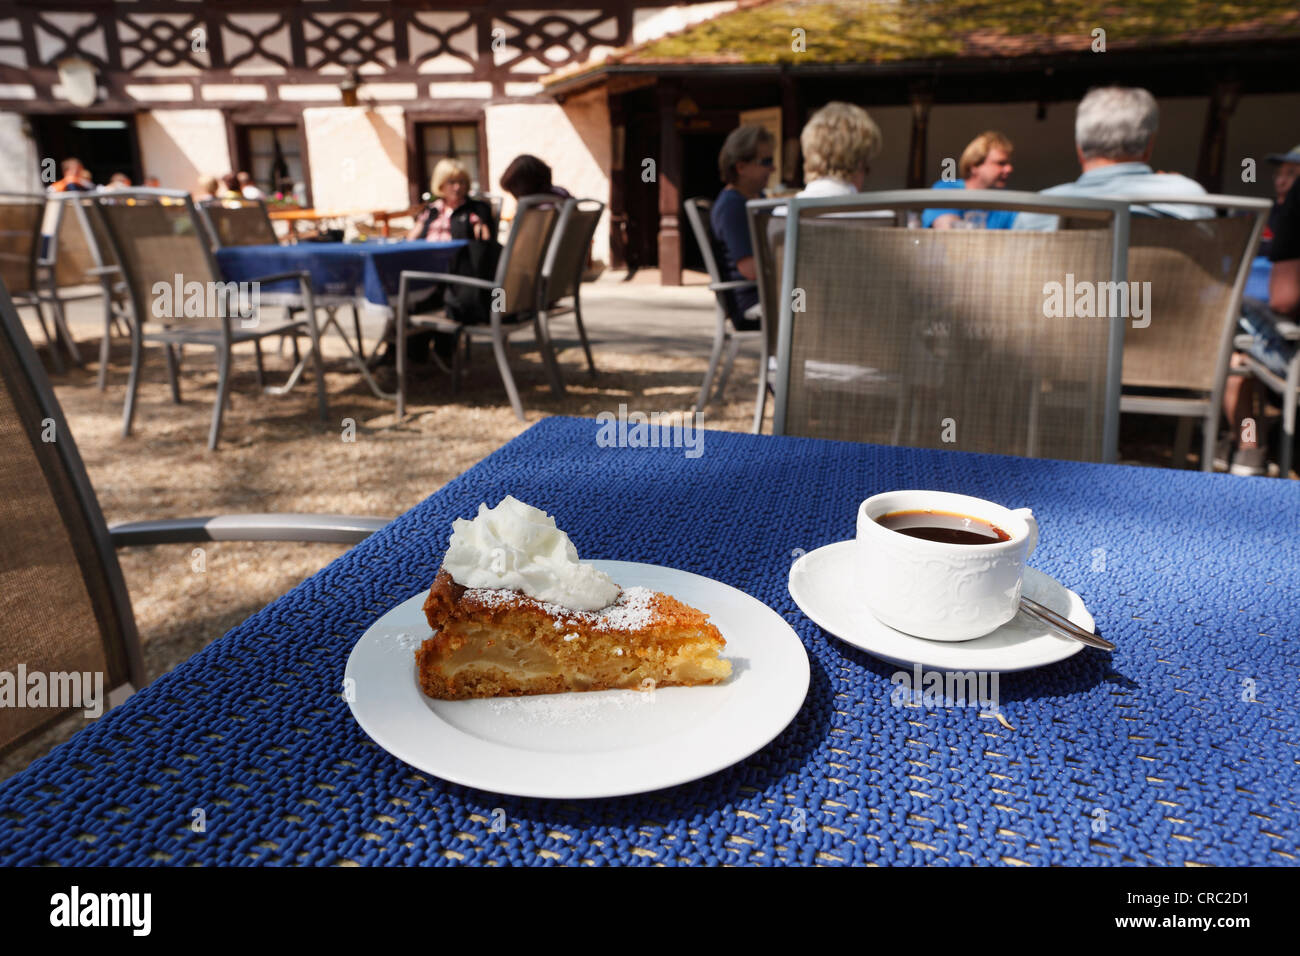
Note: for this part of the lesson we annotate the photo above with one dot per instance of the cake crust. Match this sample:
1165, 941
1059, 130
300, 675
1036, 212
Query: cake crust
498, 643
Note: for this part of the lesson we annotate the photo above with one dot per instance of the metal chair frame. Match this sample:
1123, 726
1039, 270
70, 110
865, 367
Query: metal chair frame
500, 326
579, 219
725, 335
224, 338
65, 466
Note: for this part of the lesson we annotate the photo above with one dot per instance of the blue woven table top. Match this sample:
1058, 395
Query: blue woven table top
1194, 576
339, 268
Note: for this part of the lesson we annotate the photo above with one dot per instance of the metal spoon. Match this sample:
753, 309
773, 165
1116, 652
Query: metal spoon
1061, 625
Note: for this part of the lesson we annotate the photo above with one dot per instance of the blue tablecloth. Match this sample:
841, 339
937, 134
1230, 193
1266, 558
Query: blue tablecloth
371, 269
1195, 577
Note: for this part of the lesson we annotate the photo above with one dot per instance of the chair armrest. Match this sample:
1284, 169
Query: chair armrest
302, 275
103, 270
732, 284
1288, 329
446, 277
336, 529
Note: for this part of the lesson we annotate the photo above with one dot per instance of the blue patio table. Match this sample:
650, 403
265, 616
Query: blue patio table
1185, 738
341, 272
367, 269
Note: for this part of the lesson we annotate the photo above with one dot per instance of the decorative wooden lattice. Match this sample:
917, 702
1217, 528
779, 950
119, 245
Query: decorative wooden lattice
486, 41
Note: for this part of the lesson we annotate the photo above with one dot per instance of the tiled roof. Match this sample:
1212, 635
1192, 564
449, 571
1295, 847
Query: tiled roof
897, 31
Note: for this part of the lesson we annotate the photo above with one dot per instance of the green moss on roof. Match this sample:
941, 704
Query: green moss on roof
882, 31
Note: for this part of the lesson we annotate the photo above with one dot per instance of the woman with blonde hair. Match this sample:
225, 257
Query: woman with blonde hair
838, 144
453, 215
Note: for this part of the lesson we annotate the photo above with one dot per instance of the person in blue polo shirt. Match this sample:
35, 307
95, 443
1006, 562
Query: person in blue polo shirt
985, 164
745, 164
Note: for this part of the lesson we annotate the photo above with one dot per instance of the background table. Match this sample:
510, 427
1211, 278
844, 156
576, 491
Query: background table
1195, 576
369, 269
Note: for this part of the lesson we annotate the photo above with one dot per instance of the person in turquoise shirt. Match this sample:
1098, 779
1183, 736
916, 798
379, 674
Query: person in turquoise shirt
985, 164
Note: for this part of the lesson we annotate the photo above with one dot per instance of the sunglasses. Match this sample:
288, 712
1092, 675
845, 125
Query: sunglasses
769, 162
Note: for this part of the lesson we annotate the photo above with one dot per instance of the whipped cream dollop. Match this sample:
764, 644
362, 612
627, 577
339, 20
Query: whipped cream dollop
517, 546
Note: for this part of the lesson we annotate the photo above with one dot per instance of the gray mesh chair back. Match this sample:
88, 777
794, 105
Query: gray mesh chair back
20, 229
238, 222
767, 237
566, 260
1197, 269
942, 339
64, 608
156, 237
698, 210
520, 268
67, 247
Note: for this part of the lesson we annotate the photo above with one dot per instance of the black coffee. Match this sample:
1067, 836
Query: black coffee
946, 527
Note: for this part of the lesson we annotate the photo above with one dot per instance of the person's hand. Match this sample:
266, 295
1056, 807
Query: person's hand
481, 230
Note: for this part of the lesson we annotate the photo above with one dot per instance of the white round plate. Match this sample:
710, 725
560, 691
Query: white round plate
593, 744
823, 583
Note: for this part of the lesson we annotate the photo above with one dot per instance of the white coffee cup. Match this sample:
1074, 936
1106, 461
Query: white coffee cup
936, 590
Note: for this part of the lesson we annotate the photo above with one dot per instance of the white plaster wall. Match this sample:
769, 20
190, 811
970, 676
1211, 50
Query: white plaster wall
573, 139
179, 146
20, 166
357, 157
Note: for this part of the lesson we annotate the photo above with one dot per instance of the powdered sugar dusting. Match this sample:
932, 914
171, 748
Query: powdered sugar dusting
561, 709
631, 612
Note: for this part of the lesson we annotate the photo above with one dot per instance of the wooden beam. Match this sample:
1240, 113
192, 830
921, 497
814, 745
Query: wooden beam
792, 121
1214, 138
916, 152
669, 177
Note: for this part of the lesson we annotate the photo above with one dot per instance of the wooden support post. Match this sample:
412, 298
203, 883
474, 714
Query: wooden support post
917, 177
1214, 138
669, 175
792, 121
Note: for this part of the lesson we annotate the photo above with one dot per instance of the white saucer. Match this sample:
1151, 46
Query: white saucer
597, 744
824, 585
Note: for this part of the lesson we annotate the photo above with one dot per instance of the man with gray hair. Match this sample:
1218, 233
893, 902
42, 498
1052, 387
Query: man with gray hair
1114, 132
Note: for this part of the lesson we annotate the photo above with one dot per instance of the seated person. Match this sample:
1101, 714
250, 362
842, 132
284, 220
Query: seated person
1286, 173
529, 176
985, 164
471, 218
745, 164
1243, 397
1114, 133
838, 144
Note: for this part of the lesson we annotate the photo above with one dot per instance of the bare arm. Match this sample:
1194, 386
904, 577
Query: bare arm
746, 268
1284, 288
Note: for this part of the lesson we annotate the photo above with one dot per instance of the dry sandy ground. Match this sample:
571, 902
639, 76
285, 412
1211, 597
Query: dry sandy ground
276, 457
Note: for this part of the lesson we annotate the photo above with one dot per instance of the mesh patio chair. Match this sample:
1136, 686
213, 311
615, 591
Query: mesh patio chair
767, 236
158, 239
566, 261
942, 339
1287, 387
515, 293
64, 606
21, 217
94, 254
726, 337
237, 222
1178, 362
